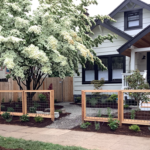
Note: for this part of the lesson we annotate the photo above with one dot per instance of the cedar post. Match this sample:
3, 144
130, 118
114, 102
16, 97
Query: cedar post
83, 106
24, 103
120, 107
52, 109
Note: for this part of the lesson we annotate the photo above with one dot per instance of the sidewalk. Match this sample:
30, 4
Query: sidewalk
88, 140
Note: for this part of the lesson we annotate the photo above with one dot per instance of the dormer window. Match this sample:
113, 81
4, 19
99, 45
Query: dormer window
133, 19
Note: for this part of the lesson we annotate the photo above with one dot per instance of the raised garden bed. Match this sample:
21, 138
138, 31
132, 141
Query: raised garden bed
124, 130
31, 123
2, 148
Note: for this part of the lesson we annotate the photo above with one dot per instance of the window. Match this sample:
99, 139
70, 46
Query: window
133, 19
115, 65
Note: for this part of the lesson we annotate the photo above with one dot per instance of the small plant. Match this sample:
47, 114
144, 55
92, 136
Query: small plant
135, 128
17, 105
113, 124
93, 101
24, 118
3, 100
55, 100
97, 126
126, 106
99, 113
132, 114
10, 100
78, 100
32, 109
19, 99
2, 107
58, 110
36, 105
85, 125
6, 115
109, 112
42, 97
113, 97
38, 119
10, 109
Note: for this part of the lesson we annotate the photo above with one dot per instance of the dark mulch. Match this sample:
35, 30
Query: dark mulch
140, 115
2, 148
124, 130
99, 105
31, 123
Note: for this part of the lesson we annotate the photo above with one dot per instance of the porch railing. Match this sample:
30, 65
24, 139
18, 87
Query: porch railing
125, 75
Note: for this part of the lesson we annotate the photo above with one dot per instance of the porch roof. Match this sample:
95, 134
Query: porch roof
141, 40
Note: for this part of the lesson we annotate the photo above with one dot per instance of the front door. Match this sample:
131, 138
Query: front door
148, 67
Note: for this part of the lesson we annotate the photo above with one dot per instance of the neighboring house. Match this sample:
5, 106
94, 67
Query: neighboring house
130, 51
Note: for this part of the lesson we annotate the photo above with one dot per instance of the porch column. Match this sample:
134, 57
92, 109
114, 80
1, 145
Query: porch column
132, 60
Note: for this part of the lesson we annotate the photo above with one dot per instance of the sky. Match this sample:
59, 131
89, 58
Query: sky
103, 8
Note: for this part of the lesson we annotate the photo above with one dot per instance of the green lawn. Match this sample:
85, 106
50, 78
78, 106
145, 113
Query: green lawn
31, 145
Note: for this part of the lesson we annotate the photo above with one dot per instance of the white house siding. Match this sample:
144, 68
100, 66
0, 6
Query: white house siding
107, 48
119, 17
2, 74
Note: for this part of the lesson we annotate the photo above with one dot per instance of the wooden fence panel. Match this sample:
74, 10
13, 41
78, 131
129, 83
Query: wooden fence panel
62, 91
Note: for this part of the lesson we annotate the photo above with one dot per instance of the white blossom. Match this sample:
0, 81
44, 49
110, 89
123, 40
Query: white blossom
8, 62
35, 29
21, 23
52, 41
14, 6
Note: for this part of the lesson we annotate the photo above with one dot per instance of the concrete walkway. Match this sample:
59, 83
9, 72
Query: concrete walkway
87, 140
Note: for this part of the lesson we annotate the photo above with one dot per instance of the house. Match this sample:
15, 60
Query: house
130, 51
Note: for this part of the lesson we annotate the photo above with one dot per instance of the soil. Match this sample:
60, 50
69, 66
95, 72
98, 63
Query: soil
124, 130
17, 106
99, 105
31, 123
2, 148
140, 115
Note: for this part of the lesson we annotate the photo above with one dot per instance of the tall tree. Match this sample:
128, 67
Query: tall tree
50, 42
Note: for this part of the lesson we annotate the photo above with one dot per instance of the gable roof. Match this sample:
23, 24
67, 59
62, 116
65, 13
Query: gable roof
141, 40
113, 29
123, 4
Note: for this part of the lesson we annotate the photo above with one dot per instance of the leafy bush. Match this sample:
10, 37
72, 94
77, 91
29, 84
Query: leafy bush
99, 113
126, 106
85, 125
132, 114
97, 126
6, 115
135, 128
113, 124
36, 105
38, 119
93, 101
3, 100
10, 109
2, 107
113, 98
42, 97
24, 118
32, 109
109, 112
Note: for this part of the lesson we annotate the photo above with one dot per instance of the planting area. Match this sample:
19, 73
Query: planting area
105, 128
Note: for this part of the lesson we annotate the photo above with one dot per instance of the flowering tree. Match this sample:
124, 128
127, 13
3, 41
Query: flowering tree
50, 42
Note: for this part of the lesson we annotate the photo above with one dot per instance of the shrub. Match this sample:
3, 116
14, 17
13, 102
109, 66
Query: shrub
24, 118
132, 114
97, 126
85, 125
135, 128
10, 109
93, 101
38, 119
3, 100
113, 124
99, 113
126, 106
6, 115
113, 98
109, 112
42, 97
32, 109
